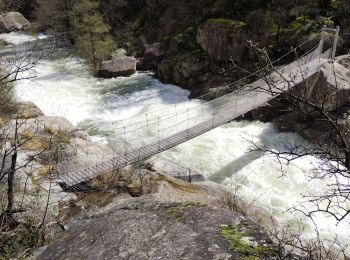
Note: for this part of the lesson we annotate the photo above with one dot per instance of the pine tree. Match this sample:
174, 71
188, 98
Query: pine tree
92, 38
51, 15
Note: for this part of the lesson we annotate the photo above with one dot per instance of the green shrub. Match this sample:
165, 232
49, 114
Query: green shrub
14, 242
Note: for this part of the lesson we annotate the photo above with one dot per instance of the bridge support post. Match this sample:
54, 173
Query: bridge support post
322, 39
335, 43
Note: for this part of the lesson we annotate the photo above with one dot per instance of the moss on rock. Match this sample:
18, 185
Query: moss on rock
243, 242
179, 210
234, 26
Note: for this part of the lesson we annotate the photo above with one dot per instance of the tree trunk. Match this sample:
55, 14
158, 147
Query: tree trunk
10, 178
11, 175
93, 50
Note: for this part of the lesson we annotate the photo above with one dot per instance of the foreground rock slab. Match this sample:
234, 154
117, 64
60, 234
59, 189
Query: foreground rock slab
13, 21
146, 228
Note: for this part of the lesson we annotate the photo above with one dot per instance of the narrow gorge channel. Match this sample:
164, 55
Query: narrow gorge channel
63, 87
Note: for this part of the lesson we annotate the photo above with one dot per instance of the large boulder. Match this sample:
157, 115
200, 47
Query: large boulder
13, 21
223, 39
122, 66
331, 84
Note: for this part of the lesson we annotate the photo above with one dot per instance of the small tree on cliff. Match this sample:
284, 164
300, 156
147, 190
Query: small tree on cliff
91, 33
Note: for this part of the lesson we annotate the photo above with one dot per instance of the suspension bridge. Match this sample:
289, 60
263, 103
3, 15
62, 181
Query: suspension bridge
158, 131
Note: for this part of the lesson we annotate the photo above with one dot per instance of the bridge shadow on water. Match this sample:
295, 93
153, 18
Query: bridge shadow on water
268, 137
235, 166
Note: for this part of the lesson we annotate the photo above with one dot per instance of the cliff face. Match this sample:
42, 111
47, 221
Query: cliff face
193, 43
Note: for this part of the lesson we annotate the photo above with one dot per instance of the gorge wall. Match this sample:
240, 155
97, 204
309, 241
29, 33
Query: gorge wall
194, 44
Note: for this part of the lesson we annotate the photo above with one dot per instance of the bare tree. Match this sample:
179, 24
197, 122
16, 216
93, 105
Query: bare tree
24, 144
291, 245
331, 145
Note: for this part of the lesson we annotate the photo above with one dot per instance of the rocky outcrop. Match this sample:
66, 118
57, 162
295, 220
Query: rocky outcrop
273, 109
27, 110
86, 153
331, 84
184, 67
50, 123
47, 127
329, 87
122, 66
191, 70
169, 168
223, 39
256, 22
13, 21
153, 52
147, 228
150, 54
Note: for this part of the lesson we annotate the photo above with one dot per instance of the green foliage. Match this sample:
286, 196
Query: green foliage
305, 25
118, 53
234, 236
7, 104
51, 15
14, 242
178, 211
270, 26
91, 33
233, 26
341, 9
191, 54
186, 39
335, 3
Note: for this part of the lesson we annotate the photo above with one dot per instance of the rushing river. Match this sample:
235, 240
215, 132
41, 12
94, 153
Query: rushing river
63, 86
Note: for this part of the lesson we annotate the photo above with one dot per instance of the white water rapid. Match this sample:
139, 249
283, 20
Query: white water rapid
63, 86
